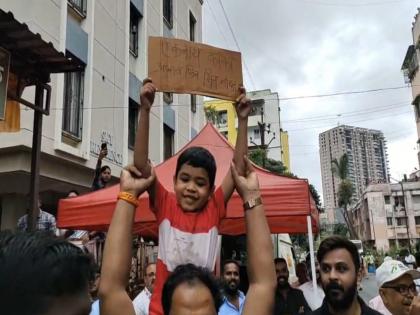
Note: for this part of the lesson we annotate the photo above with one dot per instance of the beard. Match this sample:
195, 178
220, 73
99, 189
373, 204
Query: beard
339, 298
231, 287
282, 283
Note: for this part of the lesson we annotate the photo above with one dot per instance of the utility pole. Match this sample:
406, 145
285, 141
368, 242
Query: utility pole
406, 217
261, 125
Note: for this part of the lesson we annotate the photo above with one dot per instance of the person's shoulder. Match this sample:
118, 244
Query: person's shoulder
140, 297
296, 291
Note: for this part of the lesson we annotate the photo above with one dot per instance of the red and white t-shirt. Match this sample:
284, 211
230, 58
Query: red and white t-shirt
184, 237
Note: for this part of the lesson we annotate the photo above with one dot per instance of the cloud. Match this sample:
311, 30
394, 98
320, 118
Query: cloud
297, 47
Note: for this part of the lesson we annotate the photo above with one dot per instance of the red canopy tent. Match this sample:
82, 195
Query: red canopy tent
287, 201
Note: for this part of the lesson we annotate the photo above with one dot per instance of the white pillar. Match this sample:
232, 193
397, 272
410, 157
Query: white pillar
311, 251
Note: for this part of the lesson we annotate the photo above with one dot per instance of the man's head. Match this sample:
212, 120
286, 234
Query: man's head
396, 286
94, 279
72, 193
194, 178
150, 276
317, 271
191, 289
282, 273
230, 277
105, 174
340, 271
302, 272
40, 274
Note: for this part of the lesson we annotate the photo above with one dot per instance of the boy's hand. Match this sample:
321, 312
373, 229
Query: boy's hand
131, 180
243, 104
147, 94
103, 153
247, 186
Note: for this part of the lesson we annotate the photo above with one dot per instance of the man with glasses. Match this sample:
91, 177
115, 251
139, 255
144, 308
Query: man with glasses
396, 286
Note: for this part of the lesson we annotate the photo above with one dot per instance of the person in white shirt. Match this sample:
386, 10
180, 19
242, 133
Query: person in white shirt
142, 301
313, 297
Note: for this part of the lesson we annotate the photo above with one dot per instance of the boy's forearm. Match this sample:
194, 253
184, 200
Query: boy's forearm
117, 253
141, 147
241, 147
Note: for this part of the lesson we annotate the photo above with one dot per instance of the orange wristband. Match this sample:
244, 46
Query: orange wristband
130, 198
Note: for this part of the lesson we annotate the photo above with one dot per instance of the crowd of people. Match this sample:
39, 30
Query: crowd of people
44, 274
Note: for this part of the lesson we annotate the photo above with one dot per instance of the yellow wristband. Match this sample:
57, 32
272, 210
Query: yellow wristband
130, 198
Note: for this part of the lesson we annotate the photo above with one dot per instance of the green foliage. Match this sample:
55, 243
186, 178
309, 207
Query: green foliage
341, 229
212, 115
316, 196
340, 168
345, 193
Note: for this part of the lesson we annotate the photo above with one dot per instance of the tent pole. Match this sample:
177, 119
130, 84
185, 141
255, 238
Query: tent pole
311, 251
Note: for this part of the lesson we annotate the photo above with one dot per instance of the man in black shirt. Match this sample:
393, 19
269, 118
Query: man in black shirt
340, 273
288, 301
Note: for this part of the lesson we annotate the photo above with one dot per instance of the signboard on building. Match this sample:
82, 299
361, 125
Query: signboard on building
185, 67
4, 76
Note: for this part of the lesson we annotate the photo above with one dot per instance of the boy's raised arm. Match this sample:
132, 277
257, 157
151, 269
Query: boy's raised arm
243, 108
141, 147
116, 263
261, 272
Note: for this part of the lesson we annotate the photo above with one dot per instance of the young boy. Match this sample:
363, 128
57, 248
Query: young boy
189, 218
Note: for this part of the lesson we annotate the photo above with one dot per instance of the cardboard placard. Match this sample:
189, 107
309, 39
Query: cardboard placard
186, 67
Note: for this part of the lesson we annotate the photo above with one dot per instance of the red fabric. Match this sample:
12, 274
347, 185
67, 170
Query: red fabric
287, 200
184, 237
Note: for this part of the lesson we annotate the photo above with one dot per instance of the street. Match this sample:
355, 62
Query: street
370, 289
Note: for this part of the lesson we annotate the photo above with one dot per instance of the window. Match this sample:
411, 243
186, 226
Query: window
389, 221
79, 6
167, 12
133, 114
193, 22
168, 98
387, 200
222, 118
73, 104
193, 103
134, 30
168, 141
257, 133
416, 199
417, 219
401, 221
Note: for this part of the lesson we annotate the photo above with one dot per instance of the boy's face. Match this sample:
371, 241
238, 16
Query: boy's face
192, 188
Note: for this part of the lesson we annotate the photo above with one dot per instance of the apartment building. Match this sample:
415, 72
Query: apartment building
410, 68
367, 154
266, 109
99, 104
388, 215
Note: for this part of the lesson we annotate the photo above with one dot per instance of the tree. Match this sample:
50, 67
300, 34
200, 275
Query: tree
345, 189
316, 196
212, 115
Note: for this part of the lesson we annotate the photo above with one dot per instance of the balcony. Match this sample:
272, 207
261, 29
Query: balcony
410, 64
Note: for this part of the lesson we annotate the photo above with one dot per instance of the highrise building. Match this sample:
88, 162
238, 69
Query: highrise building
367, 162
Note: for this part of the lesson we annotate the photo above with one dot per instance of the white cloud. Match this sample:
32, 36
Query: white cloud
297, 47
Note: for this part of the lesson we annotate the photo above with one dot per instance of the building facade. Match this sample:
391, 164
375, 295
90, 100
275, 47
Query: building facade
100, 104
266, 109
388, 215
367, 155
410, 68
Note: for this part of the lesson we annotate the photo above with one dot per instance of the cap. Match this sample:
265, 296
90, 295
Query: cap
393, 269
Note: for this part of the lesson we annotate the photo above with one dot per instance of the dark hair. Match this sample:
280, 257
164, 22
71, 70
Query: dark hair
192, 275
230, 261
35, 267
105, 167
417, 256
279, 260
338, 242
198, 157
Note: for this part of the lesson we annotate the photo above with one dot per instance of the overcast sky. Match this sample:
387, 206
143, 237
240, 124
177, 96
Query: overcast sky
311, 47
